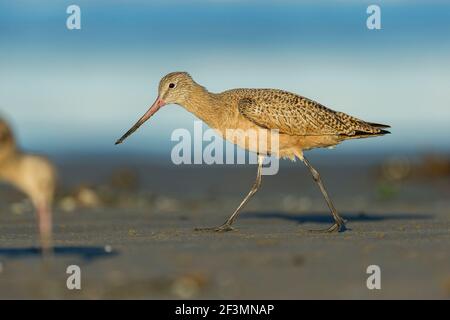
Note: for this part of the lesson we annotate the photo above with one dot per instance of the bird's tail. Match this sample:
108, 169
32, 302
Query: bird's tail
378, 125
357, 128
369, 130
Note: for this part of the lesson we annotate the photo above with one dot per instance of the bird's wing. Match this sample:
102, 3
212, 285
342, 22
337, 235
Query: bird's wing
295, 115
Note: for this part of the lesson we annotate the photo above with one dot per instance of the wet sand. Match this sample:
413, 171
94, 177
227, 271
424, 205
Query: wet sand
131, 232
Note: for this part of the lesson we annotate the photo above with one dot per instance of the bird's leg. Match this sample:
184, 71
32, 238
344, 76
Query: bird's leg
227, 225
339, 223
44, 216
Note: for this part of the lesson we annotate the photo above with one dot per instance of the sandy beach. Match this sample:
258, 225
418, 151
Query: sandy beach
131, 231
77, 79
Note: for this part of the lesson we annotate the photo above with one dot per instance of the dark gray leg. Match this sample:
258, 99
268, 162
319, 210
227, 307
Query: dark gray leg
339, 223
227, 225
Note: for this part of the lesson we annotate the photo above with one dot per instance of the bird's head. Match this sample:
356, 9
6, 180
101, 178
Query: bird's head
175, 88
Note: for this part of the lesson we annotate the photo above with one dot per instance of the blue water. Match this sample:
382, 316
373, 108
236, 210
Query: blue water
77, 91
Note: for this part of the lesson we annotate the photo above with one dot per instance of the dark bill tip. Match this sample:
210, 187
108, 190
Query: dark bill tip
153, 109
130, 132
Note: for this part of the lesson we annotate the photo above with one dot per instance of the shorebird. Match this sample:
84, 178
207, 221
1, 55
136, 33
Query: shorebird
34, 175
302, 123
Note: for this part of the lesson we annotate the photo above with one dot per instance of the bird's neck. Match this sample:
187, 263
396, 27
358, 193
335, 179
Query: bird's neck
7, 151
205, 105
9, 160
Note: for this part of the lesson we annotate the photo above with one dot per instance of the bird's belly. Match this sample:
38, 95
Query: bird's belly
264, 141
251, 137
260, 140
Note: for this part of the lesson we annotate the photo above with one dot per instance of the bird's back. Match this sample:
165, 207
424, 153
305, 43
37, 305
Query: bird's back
295, 115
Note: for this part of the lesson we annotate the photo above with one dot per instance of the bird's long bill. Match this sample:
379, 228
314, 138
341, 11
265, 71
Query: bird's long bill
153, 109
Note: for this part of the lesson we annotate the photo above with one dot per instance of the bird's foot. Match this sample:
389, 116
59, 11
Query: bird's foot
223, 228
336, 227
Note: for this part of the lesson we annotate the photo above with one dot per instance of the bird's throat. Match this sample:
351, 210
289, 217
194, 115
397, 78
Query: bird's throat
205, 105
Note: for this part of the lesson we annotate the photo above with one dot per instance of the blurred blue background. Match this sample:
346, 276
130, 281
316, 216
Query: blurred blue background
69, 91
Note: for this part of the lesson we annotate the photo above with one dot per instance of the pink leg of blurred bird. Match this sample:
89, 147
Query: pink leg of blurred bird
44, 216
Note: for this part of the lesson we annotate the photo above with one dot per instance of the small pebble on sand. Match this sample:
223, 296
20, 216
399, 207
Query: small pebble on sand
298, 260
188, 286
88, 198
22, 207
68, 204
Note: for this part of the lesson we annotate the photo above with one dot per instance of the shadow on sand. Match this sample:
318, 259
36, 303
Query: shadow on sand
322, 217
85, 253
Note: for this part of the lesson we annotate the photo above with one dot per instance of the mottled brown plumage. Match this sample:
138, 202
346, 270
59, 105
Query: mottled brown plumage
302, 123
296, 115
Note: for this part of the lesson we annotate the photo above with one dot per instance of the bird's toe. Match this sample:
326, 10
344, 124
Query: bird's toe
336, 227
222, 228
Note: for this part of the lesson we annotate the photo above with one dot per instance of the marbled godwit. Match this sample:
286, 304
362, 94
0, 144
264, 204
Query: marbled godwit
302, 123
33, 175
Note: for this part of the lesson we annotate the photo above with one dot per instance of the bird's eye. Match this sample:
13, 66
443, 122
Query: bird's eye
171, 85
